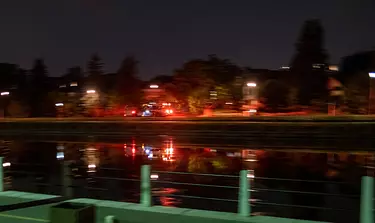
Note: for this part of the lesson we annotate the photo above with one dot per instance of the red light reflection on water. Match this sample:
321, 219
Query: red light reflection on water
164, 199
169, 154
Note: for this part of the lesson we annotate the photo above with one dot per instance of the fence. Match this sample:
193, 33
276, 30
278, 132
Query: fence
248, 193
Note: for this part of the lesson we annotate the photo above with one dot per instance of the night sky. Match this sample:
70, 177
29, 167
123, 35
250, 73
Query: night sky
163, 34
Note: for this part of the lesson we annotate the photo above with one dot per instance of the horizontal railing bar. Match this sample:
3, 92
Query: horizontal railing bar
301, 206
116, 178
96, 188
195, 184
47, 184
199, 174
305, 192
109, 168
24, 172
29, 164
300, 180
197, 197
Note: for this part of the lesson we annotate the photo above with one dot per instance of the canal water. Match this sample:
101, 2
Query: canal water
312, 185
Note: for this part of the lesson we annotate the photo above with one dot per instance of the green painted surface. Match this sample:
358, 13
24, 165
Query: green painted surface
134, 213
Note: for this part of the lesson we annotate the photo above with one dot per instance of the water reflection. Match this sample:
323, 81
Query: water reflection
99, 170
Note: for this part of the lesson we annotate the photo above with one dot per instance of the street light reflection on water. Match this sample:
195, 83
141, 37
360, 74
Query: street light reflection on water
105, 165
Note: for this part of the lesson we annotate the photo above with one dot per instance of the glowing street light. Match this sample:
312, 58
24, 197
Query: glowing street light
154, 86
7, 164
5, 93
154, 176
59, 104
251, 84
90, 91
371, 74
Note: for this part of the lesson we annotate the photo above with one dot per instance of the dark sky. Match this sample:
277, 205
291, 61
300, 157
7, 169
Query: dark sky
163, 34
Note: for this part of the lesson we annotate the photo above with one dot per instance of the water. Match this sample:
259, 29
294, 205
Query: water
112, 172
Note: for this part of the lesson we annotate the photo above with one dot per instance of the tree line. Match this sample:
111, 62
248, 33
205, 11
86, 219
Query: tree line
303, 85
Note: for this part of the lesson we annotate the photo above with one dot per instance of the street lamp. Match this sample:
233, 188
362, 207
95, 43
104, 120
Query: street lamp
91, 91
371, 93
251, 84
154, 86
59, 104
4, 93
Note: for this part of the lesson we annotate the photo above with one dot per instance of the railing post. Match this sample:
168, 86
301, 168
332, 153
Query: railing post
367, 200
244, 195
1, 175
145, 186
67, 189
110, 219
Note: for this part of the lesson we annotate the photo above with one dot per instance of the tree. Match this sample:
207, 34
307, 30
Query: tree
74, 73
17, 109
127, 84
222, 71
38, 103
357, 94
94, 71
197, 100
95, 66
309, 62
275, 95
71, 103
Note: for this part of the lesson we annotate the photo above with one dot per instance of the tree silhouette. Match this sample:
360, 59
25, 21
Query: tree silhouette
309, 62
94, 71
95, 66
127, 83
275, 95
74, 73
39, 89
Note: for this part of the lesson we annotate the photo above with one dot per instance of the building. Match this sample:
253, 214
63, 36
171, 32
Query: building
153, 92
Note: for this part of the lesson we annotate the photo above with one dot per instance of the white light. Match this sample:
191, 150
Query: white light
73, 84
154, 176
90, 91
60, 155
154, 86
371, 74
59, 104
150, 156
251, 174
228, 103
251, 84
4, 93
91, 166
252, 110
333, 68
7, 164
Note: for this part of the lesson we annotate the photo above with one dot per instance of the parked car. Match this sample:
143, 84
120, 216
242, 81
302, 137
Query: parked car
133, 112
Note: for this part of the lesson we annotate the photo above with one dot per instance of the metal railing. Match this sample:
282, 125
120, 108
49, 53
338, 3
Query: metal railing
245, 194
190, 189
306, 199
69, 180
